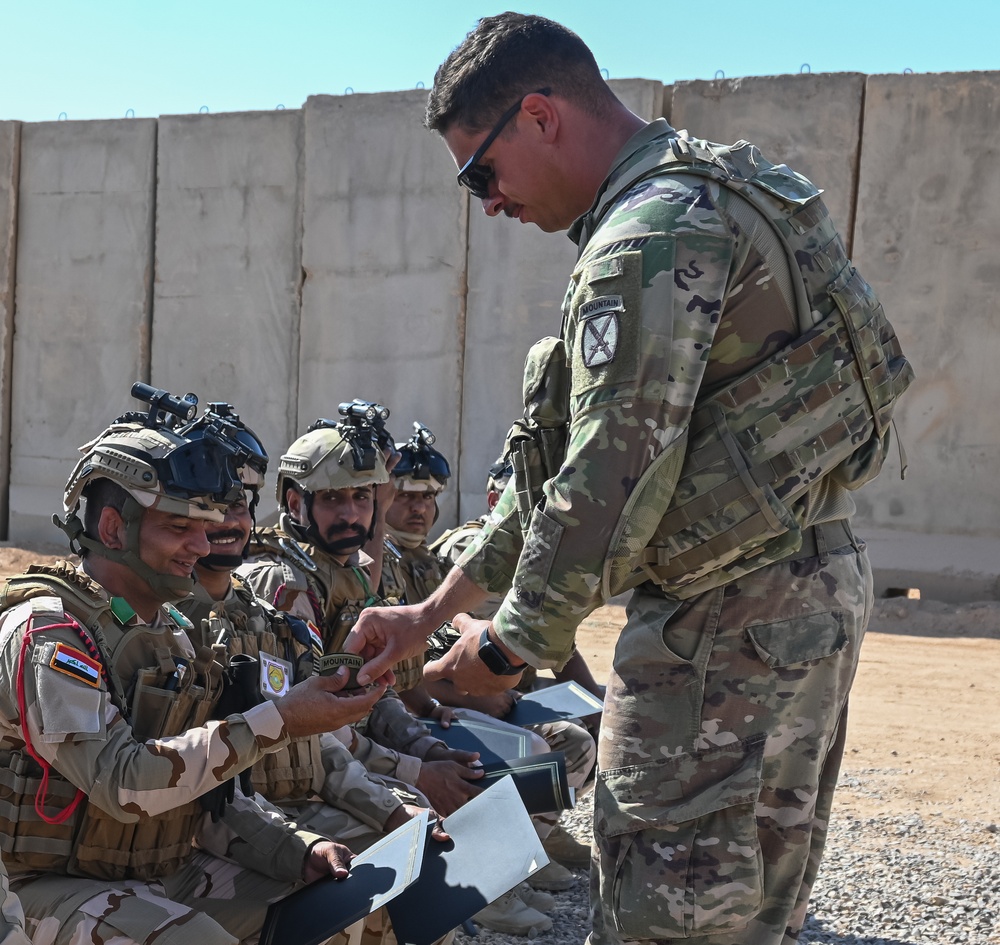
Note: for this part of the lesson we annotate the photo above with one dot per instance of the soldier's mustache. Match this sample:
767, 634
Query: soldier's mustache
347, 537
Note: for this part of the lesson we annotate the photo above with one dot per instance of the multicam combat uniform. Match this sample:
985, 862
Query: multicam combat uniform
316, 781
425, 571
305, 581
100, 808
724, 720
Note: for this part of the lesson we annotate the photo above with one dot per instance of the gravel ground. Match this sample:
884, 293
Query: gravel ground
884, 881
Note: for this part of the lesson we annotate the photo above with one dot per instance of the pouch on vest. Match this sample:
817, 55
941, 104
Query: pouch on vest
536, 444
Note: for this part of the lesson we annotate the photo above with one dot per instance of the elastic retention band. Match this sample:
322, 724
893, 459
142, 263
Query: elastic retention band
67, 811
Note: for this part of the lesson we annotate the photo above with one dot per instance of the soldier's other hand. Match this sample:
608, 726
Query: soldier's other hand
498, 705
444, 714
462, 666
406, 812
448, 784
318, 704
384, 636
327, 858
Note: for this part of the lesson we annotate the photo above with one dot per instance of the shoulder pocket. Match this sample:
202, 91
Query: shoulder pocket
604, 322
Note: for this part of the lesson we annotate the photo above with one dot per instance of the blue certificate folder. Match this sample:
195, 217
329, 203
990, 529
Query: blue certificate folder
495, 743
540, 781
493, 847
321, 909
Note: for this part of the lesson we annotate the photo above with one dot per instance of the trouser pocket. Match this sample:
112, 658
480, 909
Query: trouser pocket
678, 843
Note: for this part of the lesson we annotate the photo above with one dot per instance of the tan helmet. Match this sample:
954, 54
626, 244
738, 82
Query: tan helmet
159, 468
162, 461
329, 457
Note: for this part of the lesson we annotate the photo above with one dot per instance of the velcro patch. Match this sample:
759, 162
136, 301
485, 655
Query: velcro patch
315, 636
275, 676
600, 339
601, 305
47, 607
76, 663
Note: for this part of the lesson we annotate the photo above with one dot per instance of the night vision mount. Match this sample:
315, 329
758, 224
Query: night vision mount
363, 427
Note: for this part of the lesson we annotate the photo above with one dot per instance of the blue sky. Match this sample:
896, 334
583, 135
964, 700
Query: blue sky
103, 58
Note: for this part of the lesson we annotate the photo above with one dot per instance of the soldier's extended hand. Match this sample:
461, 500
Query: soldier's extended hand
462, 666
327, 859
316, 705
447, 778
386, 635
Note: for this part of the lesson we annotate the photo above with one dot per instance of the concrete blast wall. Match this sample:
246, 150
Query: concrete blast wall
286, 261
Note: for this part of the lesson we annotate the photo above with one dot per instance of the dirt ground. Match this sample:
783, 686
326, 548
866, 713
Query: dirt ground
924, 729
924, 732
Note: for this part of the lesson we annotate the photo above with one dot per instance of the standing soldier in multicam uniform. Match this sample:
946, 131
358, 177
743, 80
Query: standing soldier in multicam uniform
104, 743
723, 379
312, 566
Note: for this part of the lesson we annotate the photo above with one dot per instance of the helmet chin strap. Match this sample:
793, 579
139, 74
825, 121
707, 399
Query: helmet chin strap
168, 587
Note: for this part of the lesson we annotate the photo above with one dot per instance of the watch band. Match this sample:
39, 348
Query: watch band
494, 658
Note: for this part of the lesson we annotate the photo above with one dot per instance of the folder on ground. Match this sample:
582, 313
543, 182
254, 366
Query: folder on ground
554, 704
493, 847
493, 742
321, 909
540, 781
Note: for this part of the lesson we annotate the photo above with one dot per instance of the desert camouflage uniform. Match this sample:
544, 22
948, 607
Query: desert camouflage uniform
11, 914
724, 719
130, 892
332, 596
321, 785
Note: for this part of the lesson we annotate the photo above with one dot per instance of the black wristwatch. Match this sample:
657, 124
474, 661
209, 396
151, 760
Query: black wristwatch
494, 658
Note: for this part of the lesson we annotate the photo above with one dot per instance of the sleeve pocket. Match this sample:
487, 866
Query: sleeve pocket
678, 842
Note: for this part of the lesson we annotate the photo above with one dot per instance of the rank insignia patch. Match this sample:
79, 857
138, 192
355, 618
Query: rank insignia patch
600, 339
77, 664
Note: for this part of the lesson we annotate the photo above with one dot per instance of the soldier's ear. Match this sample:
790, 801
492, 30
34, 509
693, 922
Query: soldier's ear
293, 501
111, 529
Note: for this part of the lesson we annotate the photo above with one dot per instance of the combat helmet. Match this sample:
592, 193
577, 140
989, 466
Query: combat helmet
251, 471
342, 454
162, 461
499, 475
421, 468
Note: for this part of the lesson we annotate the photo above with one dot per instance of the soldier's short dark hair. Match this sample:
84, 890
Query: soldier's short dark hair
507, 56
100, 494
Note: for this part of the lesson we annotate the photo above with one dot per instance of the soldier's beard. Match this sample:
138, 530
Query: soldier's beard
350, 540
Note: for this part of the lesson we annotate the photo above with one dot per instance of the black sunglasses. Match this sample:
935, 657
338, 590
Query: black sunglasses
477, 176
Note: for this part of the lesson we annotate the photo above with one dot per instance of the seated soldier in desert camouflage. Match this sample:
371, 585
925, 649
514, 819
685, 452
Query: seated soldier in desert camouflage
332, 491
315, 780
105, 739
11, 914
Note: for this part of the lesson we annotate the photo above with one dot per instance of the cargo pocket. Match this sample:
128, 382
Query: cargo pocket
800, 640
678, 843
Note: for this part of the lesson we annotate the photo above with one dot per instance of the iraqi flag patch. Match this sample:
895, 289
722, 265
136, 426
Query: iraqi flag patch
315, 636
76, 663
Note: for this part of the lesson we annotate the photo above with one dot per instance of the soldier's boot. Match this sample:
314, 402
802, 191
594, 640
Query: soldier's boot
538, 900
510, 915
564, 848
553, 876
